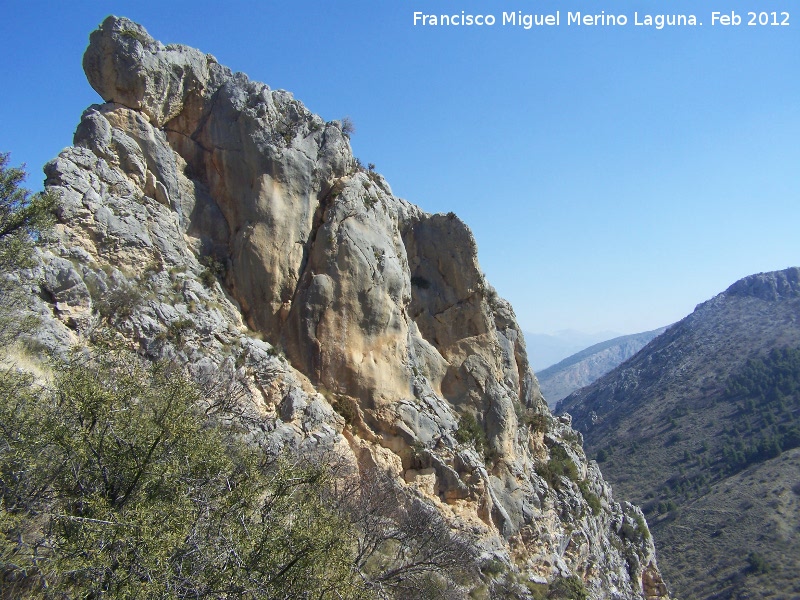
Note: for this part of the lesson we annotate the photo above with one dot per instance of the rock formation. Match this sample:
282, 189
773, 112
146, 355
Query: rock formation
209, 218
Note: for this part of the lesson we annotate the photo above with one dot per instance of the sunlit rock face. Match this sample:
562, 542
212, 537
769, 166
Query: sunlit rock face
254, 233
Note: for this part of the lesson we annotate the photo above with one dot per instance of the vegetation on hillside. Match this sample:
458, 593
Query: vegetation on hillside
754, 419
718, 458
767, 395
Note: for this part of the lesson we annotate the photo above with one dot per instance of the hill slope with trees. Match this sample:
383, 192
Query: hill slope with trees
702, 428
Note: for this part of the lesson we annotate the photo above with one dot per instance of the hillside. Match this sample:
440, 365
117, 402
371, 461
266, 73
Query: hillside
588, 365
212, 224
547, 349
702, 428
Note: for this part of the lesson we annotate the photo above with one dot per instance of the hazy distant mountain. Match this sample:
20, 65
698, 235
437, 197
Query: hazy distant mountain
581, 369
702, 427
546, 349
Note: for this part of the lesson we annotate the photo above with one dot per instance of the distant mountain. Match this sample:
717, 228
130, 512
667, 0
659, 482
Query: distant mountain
702, 427
546, 349
585, 367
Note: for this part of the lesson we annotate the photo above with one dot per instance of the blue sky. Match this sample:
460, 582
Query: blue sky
613, 177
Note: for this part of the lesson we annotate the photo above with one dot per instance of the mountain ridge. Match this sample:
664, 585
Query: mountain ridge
586, 366
547, 349
706, 404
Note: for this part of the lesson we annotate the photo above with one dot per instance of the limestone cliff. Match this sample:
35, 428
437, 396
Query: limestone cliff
207, 217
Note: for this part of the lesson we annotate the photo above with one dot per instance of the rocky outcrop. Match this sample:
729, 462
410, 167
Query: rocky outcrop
208, 218
773, 286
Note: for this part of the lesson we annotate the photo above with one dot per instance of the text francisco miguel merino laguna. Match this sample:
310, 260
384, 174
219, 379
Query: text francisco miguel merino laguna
528, 21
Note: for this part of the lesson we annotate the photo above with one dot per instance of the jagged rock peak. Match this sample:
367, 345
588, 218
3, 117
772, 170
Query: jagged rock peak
127, 66
248, 229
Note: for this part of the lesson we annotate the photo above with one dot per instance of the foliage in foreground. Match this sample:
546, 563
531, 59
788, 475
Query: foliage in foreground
24, 217
113, 484
405, 549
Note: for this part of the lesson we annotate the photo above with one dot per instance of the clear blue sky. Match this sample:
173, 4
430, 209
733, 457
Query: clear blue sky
613, 177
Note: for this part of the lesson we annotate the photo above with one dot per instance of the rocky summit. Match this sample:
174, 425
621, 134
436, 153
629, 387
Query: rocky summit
209, 219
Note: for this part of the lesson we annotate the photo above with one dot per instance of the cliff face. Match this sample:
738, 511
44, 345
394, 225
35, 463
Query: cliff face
209, 218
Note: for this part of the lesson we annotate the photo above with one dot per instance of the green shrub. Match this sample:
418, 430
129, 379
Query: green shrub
276, 352
493, 567
176, 331
207, 278
116, 485
470, 431
591, 498
347, 409
538, 591
568, 588
537, 422
133, 34
665, 507
119, 301
559, 465
348, 127
641, 527
214, 269
758, 564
